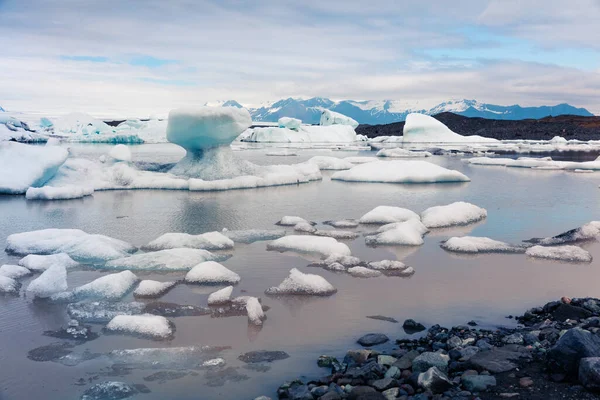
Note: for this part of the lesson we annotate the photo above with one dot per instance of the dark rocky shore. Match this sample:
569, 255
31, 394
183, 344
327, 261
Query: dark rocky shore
567, 126
553, 354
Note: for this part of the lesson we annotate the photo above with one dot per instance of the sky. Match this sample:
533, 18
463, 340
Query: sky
142, 57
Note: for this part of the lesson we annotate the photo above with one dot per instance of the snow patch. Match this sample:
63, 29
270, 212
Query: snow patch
298, 283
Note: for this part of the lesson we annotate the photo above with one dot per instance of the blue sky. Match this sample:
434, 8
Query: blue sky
147, 56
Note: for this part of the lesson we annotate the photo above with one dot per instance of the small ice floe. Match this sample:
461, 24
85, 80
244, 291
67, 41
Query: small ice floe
102, 311
583, 171
399, 152
164, 260
360, 160
110, 390
14, 271
305, 227
174, 358
282, 153
589, 231
79, 245
205, 241
66, 192
387, 215
400, 172
362, 272
255, 312
388, 265
336, 234
459, 213
151, 288
108, 287
298, 283
407, 233
145, 325
39, 263
343, 223
289, 220
561, 253
222, 296
9, 285
51, 281
120, 152
211, 273
345, 260
473, 244
253, 235
323, 246
330, 163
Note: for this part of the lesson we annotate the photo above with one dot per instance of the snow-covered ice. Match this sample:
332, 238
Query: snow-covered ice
388, 265
362, 272
336, 234
255, 311
589, 231
151, 288
164, 260
174, 358
400, 172
24, 166
102, 311
561, 253
345, 260
399, 152
14, 271
108, 287
330, 163
305, 134
343, 223
388, 215
458, 213
539, 163
298, 283
329, 117
473, 244
253, 235
206, 241
289, 220
422, 128
38, 263
8, 285
407, 233
221, 296
323, 246
51, 281
66, 192
211, 273
146, 325
281, 153
305, 227
120, 153
360, 159
290, 123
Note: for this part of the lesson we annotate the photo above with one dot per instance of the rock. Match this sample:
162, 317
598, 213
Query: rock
384, 384
411, 326
372, 339
295, 390
434, 380
263, 356
332, 395
472, 323
326, 361
515, 338
568, 311
574, 345
454, 342
319, 391
468, 352
592, 305
383, 318
386, 360
508, 395
391, 394
358, 391
354, 357
427, 360
393, 372
405, 362
484, 345
497, 360
408, 388
109, 391
477, 383
589, 373
262, 398
525, 382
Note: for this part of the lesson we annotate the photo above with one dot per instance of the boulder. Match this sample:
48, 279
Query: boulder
434, 380
574, 345
589, 373
427, 360
477, 383
372, 339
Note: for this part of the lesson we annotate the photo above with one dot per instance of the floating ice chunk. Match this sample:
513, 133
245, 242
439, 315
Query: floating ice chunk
67, 192
8, 285
305, 134
253, 235
459, 213
150, 288
589, 231
583, 171
422, 128
146, 325
388, 265
562, 253
323, 246
164, 260
25, 165
14, 271
282, 153
336, 234
472, 244
81, 124
329, 117
558, 140
37, 263
102, 311
206, 241
255, 311
400, 172
109, 287
51, 281
304, 227
190, 357
76, 243
211, 273
399, 152
290, 123
345, 260
407, 233
221, 296
304, 284
291, 221
109, 390
344, 223
330, 163
120, 153
335, 266
360, 160
388, 215
362, 272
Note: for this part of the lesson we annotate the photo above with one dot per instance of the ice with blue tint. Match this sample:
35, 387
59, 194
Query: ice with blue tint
165, 260
329, 117
421, 128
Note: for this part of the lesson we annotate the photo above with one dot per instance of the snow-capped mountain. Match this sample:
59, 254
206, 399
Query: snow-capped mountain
2, 109
387, 111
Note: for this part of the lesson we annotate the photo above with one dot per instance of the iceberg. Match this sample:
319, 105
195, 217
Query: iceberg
290, 123
102, 311
39, 263
253, 235
472, 244
66, 192
400, 172
292, 221
562, 253
304, 227
211, 273
332, 134
221, 296
388, 215
329, 117
281, 153
298, 283
107, 287
14, 271
255, 311
589, 231
330, 163
51, 281
205, 241
164, 260
407, 233
9, 285
145, 325
421, 128
398, 152
362, 272
24, 166
459, 213
150, 288
323, 246
120, 153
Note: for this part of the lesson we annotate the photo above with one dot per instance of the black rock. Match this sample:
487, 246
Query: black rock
434, 380
383, 318
589, 373
358, 391
372, 339
384, 384
331, 395
567, 311
411, 326
109, 391
263, 356
574, 345
50, 352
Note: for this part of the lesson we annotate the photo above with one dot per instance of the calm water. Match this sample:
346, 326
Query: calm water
446, 288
